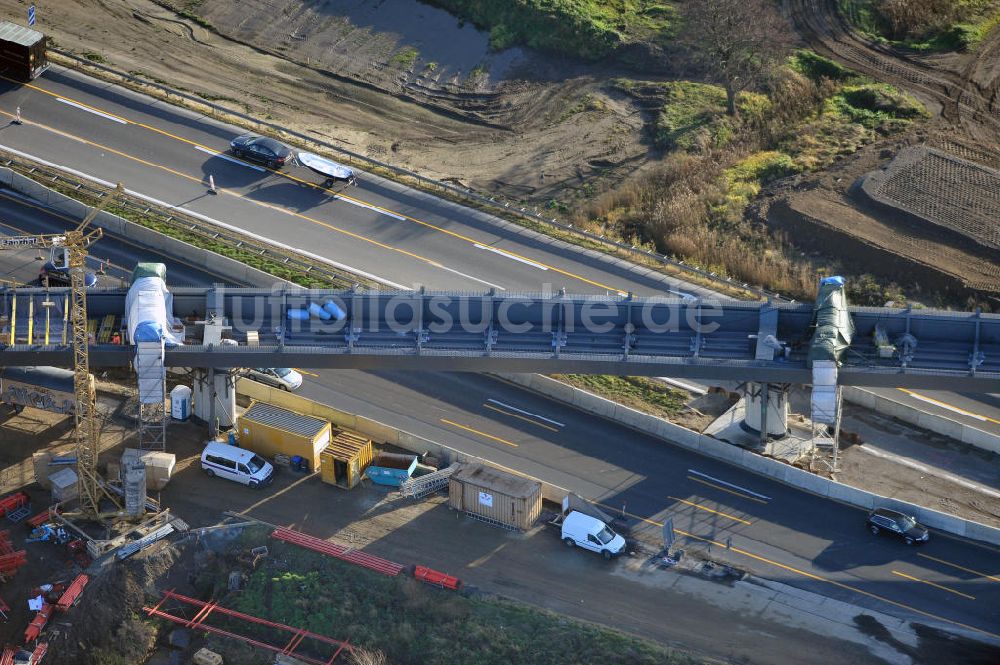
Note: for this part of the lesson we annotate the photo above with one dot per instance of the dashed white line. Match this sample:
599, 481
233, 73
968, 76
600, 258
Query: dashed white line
206, 218
215, 153
462, 274
527, 413
512, 257
735, 487
380, 211
104, 115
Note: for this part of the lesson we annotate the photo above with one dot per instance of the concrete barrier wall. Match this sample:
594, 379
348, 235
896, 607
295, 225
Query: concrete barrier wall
378, 432
720, 450
929, 421
216, 264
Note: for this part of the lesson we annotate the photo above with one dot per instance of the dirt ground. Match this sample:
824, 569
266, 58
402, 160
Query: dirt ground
823, 213
868, 471
520, 123
530, 126
531, 567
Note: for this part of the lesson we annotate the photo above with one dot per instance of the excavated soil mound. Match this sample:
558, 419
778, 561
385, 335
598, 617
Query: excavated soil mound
936, 188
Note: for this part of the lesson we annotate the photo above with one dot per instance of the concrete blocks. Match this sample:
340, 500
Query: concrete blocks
851, 495
810, 482
929, 421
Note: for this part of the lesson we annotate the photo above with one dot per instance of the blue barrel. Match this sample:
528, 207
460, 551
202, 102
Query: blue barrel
298, 314
319, 312
335, 310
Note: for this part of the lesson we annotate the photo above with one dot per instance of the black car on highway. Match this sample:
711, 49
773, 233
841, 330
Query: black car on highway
261, 149
899, 524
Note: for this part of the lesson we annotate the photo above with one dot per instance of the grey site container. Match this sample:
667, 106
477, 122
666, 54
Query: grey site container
495, 496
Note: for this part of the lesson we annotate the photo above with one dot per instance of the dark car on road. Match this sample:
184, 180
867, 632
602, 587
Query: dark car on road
899, 524
261, 149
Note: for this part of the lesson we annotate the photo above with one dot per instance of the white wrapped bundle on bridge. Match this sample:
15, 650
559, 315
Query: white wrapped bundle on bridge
149, 310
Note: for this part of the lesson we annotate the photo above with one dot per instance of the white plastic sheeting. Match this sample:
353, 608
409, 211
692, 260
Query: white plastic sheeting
824, 392
324, 166
149, 310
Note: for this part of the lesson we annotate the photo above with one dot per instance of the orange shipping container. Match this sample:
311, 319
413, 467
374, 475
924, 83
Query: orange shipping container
270, 430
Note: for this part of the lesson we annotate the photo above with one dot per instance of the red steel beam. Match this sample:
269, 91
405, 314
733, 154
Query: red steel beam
198, 623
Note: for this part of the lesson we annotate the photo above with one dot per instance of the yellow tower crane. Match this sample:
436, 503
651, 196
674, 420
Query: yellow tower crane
73, 245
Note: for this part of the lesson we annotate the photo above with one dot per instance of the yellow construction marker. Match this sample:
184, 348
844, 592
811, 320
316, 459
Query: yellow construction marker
725, 489
955, 565
475, 431
933, 584
709, 510
525, 419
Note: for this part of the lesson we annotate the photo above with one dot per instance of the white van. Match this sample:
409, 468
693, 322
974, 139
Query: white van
235, 463
592, 534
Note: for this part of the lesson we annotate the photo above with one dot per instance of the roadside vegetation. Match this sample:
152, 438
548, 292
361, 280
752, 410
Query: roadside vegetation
590, 29
692, 203
639, 392
403, 622
937, 25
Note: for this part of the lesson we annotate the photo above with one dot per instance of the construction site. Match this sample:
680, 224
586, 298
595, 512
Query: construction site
455, 462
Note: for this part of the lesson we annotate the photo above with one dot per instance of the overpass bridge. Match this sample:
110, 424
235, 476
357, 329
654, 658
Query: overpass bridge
549, 332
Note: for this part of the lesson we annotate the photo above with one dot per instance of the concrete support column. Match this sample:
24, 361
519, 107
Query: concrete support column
215, 398
766, 409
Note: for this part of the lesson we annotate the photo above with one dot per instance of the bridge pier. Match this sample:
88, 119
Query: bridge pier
766, 410
215, 398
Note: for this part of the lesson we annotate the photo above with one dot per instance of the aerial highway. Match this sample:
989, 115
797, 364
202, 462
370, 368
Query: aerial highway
397, 234
753, 523
403, 237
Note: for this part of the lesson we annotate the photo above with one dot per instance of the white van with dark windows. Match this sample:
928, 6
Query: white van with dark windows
235, 463
590, 533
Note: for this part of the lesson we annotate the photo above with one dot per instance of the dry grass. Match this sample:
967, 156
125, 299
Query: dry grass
693, 203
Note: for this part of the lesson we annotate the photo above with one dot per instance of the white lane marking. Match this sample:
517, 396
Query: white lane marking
462, 274
511, 256
527, 413
215, 153
107, 116
697, 390
735, 487
372, 208
210, 220
943, 405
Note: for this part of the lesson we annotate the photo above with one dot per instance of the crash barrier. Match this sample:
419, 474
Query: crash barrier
711, 447
16, 163
942, 425
500, 205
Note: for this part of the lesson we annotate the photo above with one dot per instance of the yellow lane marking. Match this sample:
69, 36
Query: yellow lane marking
453, 234
804, 573
302, 371
525, 419
220, 190
475, 431
949, 407
726, 489
933, 584
709, 510
955, 565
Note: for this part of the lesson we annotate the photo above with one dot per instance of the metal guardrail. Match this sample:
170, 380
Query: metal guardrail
502, 205
187, 224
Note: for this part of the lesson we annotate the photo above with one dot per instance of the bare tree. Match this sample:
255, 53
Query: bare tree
737, 41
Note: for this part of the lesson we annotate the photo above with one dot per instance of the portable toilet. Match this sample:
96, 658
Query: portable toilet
180, 403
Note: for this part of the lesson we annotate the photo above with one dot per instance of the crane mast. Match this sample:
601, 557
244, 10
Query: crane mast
74, 244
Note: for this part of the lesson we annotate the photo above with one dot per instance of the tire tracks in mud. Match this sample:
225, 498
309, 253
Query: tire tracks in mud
971, 107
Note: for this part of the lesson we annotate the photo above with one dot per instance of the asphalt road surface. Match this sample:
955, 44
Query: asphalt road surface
399, 235
780, 532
